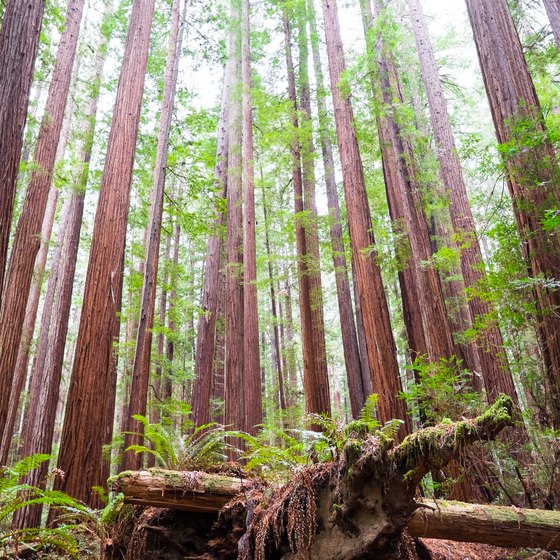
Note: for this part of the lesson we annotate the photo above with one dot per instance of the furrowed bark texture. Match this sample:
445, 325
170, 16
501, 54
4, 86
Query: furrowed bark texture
251, 353
532, 169
206, 336
381, 348
32, 306
141, 368
93, 383
350, 346
19, 272
491, 354
19, 41
553, 11
423, 291
234, 310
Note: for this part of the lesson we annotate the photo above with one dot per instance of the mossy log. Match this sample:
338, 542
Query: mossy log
354, 508
486, 524
185, 490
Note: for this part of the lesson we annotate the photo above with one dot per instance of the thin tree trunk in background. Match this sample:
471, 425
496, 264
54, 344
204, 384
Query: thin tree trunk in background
313, 255
19, 41
366, 373
19, 272
316, 398
531, 171
219, 358
491, 354
141, 369
382, 355
275, 330
172, 310
350, 345
159, 381
234, 310
93, 383
251, 353
552, 8
206, 336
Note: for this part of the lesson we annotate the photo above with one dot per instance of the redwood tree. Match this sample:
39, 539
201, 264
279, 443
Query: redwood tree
552, 8
532, 169
251, 355
19, 40
27, 237
491, 353
357, 384
234, 304
90, 405
316, 388
206, 334
141, 369
382, 357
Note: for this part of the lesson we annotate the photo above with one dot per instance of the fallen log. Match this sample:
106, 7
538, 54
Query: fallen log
434, 519
184, 490
486, 524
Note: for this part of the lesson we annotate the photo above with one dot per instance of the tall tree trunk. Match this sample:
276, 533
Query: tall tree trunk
313, 255
317, 396
491, 353
141, 369
26, 244
382, 355
92, 389
422, 289
206, 335
19, 41
350, 345
22, 361
234, 310
251, 354
49, 358
531, 170
552, 8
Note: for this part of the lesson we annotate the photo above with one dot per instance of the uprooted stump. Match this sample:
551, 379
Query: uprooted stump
354, 508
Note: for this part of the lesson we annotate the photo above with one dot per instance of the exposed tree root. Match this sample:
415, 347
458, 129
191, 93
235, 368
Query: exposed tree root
355, 508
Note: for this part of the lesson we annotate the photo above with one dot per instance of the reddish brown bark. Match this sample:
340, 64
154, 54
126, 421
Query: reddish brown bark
421, 289
19, 40
317, 396
251, 354
491, 354
552, 8
356, 389
313, 255
141, 368
381, 348
206, 336
92, 389
49, 357
532, 169
26, 244
234, 309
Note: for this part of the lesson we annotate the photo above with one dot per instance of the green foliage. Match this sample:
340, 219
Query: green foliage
77, 533
197, 449
443, 390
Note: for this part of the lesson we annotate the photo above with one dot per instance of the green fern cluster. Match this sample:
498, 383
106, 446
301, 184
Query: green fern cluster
78, 531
